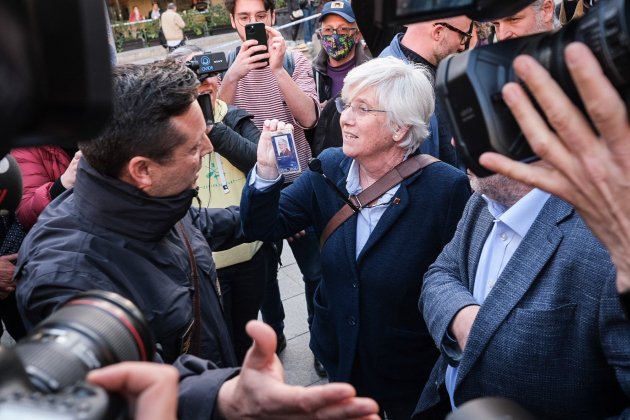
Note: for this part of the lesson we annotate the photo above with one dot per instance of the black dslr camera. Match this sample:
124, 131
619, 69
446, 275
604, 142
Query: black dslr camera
207, 65
469, 84
42, 376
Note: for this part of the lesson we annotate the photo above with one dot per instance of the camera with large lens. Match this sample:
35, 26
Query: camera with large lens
469, 84
208, 64
42, 376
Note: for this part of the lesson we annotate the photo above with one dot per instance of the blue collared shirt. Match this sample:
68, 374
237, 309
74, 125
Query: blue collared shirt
367, 218
510, 227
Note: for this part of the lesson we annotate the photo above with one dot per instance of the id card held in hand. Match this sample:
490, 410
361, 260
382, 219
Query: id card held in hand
286, 154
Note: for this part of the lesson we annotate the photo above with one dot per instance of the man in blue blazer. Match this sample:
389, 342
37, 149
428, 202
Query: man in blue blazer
522, 304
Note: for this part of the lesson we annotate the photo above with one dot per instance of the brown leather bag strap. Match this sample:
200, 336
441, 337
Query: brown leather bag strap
394, 177
195, 342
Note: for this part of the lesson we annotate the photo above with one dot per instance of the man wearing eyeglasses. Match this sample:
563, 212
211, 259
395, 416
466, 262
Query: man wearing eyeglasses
268, 90
428, 43
341, 49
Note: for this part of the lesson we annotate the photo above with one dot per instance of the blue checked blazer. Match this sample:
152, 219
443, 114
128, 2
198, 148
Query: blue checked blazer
551, 335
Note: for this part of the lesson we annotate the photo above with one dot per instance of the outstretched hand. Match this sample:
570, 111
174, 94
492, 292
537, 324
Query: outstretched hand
259, 390
589, 169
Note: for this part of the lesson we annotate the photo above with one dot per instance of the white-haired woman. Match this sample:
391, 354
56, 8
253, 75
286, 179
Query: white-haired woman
367, 329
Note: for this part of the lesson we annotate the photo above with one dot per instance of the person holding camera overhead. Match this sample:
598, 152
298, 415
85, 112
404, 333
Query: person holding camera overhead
366, 326
522, 302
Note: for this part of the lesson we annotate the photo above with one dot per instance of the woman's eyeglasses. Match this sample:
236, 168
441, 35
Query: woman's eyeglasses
358, 110
464, 37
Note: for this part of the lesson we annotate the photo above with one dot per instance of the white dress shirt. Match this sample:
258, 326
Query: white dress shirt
510, 227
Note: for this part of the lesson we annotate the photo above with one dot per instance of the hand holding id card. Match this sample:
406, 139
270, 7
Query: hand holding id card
285, 151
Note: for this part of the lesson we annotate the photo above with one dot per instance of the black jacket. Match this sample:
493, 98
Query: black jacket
108, 235
328, 130
236, 138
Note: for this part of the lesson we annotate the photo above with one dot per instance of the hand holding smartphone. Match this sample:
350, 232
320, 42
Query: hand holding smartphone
258, 32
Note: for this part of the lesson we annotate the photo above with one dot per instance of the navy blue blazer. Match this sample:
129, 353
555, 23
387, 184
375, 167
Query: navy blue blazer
551, 335
367, 329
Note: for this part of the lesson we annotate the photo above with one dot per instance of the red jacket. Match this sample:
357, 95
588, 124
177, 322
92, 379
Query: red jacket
41, 167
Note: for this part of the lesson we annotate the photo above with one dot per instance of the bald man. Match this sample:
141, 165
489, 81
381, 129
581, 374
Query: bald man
429, 43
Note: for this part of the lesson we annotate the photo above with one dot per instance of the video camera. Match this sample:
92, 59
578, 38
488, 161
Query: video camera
207, 65
469, 84
42, 376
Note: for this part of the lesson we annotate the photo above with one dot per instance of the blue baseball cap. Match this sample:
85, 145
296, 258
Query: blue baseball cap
341, 8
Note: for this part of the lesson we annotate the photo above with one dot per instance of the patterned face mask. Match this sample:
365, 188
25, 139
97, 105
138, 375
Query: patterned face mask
338, 46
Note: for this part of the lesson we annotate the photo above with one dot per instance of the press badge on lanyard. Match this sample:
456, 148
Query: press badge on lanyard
221, 172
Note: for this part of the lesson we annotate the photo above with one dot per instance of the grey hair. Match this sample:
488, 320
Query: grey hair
182, 53
538, 4
401, 88
171, 6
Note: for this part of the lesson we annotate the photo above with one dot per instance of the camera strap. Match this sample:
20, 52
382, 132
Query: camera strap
392, 178
194, 347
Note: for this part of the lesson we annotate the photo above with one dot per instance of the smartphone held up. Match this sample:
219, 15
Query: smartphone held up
258, 32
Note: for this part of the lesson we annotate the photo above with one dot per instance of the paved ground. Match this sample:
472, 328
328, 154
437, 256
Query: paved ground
297, 357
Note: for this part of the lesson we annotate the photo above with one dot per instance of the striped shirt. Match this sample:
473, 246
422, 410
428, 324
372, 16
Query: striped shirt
259, 94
